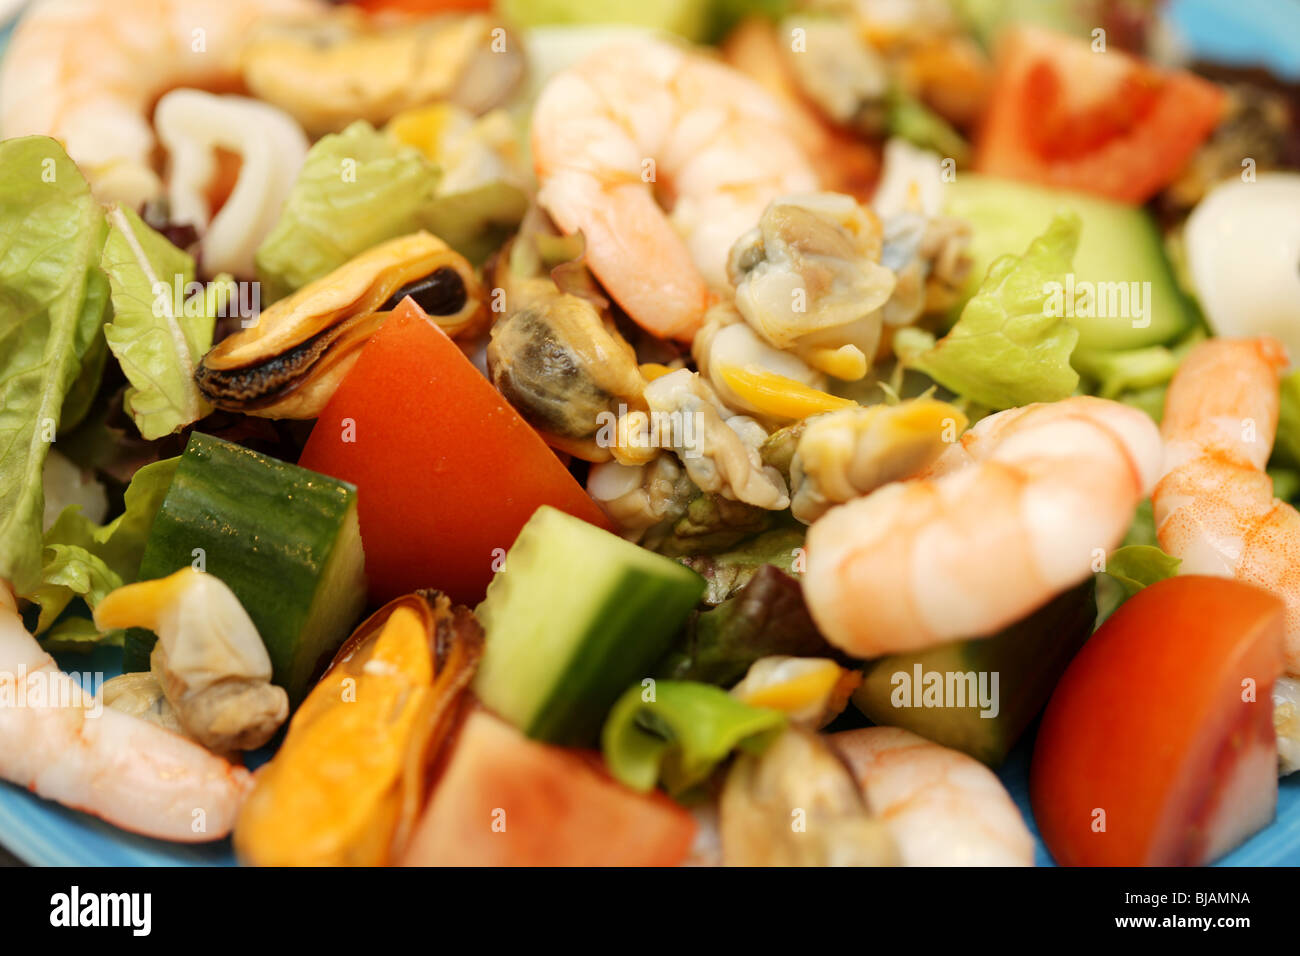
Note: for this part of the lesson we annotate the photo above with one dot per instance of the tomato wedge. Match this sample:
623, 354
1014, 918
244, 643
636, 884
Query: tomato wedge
1157, 747
1102, 122
505, 800
446, 471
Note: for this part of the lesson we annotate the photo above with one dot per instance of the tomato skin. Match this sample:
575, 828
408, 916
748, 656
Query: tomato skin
446, 470
1126, 139
558, 807
1149, 726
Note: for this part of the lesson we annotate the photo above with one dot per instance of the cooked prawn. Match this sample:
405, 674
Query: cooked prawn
1005, 519
942, 807
642, 120
64, 745
1214, 507
88, 72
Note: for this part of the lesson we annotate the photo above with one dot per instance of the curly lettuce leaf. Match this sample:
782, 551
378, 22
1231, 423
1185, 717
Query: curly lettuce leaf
677, 732
356, 189
70, 571
81, 556
1009, 348
157, 335
51, 307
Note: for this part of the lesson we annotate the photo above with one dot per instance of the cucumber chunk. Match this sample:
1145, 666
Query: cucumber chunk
1119, 244
1028, 658
574, 618
285, 539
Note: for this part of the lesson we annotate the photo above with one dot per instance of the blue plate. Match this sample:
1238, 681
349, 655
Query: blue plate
43, 833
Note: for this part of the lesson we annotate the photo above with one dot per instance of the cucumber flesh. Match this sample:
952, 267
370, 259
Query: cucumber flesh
575, 617
1119, 244
285, 539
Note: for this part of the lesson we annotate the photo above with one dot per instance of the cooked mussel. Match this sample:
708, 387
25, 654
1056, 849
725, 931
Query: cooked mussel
344, 66
351, 777
562, 365
288, 364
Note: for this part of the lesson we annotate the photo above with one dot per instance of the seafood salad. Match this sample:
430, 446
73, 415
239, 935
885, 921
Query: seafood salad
522, 433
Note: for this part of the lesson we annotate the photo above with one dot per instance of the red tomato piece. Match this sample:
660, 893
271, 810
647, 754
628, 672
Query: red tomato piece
446, 471
1157, 747
1108, 123
505, 800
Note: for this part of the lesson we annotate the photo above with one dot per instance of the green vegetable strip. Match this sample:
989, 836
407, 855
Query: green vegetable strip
679, 731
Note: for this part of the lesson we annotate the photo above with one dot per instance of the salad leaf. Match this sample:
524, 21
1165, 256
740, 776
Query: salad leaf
79, 634
77, 403
1138, 377
476, 221
70, 571
727, 573
1129, 569
51, 233
356, 189
910, 119
1008, 348
1142, 530
83, 556
157, 339
768, 616
1136, 566
680, 734
1286, 482
1286, 447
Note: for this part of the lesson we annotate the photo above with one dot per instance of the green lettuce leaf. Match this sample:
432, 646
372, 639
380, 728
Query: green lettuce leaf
475, 222
356, 189
79, 635
1008, 349
730, 571
1128, 570
1286, 447
910, 119
1286, 482
70, 571
157, 339
96, 553
51, 233
1136, 566
1137, 377
681, 734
